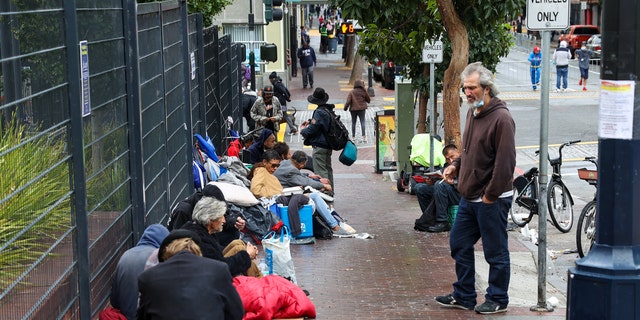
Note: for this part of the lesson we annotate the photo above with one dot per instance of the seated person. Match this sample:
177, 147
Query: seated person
265, 184
236, 146
283, 149
208, 219
265, 141
442, 193
183, 211
184, 285
124, 288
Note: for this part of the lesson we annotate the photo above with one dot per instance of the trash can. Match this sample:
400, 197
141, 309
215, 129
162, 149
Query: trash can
333, 44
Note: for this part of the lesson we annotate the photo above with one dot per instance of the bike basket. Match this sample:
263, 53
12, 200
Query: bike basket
588, 175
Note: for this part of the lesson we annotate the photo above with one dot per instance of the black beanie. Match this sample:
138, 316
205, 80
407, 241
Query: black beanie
174, 235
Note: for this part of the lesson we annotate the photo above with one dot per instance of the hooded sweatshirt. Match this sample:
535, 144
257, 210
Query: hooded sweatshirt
256, 150
488, 155
124, 288
358, 97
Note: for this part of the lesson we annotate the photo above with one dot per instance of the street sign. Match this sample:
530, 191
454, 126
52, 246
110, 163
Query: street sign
547, 15
432, 52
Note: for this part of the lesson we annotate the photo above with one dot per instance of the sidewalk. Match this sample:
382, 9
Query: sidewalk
397, 274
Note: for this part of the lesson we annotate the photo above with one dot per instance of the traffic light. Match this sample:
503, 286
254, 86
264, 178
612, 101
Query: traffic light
347, 28
272, 10
269, 52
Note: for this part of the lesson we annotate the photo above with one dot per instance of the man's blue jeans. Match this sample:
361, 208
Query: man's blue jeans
562, 73
477, 220
424, 193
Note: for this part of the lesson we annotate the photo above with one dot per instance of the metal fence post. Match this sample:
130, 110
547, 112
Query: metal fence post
78, 178
136, 171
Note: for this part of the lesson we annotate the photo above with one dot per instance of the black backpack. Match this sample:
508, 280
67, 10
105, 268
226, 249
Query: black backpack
321, 229
337, 135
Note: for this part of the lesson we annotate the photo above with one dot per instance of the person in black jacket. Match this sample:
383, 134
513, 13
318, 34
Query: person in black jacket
307, 57
182, 212
314, 130
208, 219
282, 93
249, 97
187, 286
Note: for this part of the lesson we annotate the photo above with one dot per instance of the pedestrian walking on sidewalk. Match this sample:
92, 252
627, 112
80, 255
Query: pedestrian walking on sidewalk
357, 104
484, 170
561, 58
584, 57
307, 57
535, 59
314, 131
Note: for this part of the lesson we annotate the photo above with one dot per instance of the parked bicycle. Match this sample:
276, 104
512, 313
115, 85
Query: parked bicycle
526, 189
586, 234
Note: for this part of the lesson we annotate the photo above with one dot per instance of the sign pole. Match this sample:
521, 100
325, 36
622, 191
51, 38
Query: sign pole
432, 54
434, 125
545, 16
543, 178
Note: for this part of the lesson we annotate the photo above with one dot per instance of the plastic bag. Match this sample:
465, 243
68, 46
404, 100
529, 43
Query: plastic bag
278, 254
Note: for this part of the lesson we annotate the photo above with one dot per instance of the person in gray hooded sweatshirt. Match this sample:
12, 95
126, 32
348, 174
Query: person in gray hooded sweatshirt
124, 288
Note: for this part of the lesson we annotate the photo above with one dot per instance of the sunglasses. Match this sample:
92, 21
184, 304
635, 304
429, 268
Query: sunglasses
274, 165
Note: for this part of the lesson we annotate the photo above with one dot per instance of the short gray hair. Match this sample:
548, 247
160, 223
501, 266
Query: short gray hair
485, 79
208, 209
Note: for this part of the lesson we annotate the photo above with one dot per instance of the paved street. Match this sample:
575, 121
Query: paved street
397, 274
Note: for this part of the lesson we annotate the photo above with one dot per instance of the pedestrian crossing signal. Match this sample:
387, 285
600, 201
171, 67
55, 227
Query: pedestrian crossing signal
347, 28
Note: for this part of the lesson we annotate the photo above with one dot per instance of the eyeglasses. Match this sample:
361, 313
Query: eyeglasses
274, 165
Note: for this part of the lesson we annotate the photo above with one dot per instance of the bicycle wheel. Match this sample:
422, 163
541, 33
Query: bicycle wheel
520, 214
586, 233
560, 206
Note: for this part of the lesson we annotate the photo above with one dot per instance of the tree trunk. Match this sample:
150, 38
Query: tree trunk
356, 71
351, 45
459, 58
422, 104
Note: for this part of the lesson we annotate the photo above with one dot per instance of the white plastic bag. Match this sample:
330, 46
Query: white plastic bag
278, 254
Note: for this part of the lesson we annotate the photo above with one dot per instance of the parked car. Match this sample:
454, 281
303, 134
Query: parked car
389, 73
593, 44
575, 35
377, 69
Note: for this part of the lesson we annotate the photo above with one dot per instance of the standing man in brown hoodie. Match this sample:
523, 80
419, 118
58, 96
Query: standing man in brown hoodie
357, 100
484, 171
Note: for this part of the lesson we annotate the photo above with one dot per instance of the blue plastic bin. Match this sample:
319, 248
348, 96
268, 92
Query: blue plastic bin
306, 219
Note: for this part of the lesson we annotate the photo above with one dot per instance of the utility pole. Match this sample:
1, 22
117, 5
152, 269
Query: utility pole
252, 38
606, 283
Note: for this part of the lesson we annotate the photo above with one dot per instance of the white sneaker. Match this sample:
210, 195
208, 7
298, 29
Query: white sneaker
557, 90
341, 233
564, 90
344, 226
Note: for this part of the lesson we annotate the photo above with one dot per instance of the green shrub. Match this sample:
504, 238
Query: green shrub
34, 198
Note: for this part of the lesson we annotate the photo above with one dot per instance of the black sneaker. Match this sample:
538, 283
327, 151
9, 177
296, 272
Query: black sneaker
439, 227
490, 307
449, 302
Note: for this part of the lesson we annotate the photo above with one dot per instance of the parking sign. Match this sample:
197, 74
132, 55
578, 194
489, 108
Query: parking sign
547, 15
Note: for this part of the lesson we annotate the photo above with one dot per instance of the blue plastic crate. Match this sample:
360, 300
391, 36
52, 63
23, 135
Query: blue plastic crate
306, 219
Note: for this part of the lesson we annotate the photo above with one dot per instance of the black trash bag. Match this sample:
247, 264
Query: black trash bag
427, 219
259, 221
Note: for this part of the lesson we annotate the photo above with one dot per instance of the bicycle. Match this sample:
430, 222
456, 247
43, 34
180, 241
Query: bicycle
586, 233
559, 201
